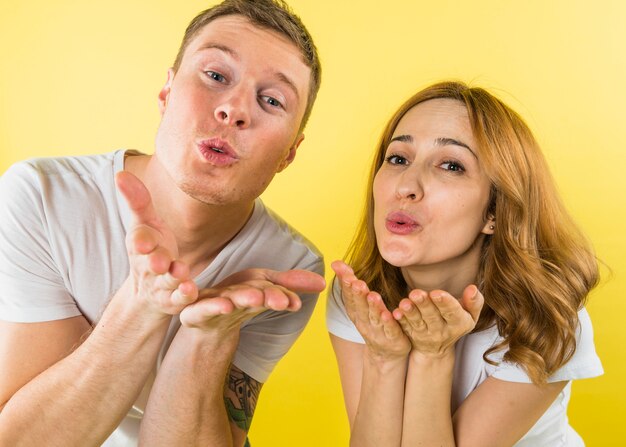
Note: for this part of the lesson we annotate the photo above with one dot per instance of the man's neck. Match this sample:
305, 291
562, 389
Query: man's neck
201, 230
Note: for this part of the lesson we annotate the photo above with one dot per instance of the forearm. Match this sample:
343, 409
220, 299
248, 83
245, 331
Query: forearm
186, 405
427, 414
378, 419
82, 398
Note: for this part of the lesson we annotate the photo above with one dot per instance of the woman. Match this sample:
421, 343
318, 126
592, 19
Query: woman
461, 321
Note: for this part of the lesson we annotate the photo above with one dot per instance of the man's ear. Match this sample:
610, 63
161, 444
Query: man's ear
291, 154
165, 91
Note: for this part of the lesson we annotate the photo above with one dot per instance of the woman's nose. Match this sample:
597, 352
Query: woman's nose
409, 186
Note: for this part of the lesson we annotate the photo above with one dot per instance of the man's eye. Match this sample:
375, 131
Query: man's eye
396, 160
215, 76
271, 101
452, 166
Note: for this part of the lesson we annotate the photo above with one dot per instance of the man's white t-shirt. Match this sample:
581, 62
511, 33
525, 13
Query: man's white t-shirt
63, 254
470, 370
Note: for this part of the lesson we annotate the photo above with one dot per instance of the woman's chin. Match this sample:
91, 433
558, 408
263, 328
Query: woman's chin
398, 256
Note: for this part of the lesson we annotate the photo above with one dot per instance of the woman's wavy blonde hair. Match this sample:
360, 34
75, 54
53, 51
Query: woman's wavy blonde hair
535, 270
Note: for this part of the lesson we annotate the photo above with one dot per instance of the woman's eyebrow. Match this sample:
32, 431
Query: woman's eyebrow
443, 141
403, 138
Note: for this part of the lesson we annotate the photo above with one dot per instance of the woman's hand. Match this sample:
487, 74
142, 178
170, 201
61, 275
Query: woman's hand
434, 321
382, 334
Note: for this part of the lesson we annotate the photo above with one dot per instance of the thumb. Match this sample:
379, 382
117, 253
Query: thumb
137, 196
473, 301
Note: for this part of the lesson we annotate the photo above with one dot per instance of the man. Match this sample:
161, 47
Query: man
91, 277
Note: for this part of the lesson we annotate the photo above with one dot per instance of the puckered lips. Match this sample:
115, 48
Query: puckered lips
400, 223
217, 152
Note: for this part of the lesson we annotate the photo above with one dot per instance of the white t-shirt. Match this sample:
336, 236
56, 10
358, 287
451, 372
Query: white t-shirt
63, 254
470, 370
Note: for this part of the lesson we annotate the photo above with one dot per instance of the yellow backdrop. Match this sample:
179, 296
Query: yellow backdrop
81, 77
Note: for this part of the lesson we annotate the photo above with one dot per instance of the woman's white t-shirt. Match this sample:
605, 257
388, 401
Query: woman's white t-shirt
470, 370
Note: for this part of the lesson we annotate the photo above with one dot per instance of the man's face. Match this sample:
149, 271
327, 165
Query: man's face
231, 113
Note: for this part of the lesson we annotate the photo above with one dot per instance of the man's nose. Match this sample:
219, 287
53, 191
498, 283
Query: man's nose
234, 109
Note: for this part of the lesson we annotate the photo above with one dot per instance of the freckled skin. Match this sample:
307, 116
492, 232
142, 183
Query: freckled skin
195, 106
427, 181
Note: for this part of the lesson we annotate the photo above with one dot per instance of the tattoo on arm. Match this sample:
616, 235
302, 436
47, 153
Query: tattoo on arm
240, 397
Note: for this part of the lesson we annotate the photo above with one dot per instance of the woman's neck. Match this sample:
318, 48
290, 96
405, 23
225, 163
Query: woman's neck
452, 275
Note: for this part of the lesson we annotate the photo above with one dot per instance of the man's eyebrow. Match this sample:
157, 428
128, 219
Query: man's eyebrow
442, 141
282, 77
217, 46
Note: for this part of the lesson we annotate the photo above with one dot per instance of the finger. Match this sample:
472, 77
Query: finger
425, 303
341, 268
373, 311
358, 294
402, 321
179, 270
159, 263
472, 301
137, 197
278, 298
391, 328
186, 293
244, 297
302, 281
409, 311
142, 239
196, 314
449, 307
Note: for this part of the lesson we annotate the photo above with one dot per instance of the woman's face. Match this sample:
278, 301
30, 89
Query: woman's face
430, 193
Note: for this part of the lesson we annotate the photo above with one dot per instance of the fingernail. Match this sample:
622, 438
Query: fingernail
436, 296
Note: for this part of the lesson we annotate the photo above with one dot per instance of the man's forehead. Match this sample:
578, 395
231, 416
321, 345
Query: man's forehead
229, 28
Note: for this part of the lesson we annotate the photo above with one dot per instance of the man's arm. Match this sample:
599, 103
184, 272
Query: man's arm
241, 394
81, 397
198, 398
187, 405
53, 397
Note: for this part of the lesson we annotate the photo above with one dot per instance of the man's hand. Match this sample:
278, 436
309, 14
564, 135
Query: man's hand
245, 294
156, 277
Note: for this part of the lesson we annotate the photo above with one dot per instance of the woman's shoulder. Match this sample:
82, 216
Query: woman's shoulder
584, 362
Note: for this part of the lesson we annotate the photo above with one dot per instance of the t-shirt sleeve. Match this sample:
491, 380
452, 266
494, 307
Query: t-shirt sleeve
266, 338
584, 364
32, 289
337, 321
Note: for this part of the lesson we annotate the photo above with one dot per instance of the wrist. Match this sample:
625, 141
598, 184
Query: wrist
384, 361
445, 357
211, 340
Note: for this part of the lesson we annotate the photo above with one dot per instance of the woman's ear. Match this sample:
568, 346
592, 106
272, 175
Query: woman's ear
490, 225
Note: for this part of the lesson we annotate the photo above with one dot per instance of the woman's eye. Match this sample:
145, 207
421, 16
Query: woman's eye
215, 76
452, 166
271, 101
396, 160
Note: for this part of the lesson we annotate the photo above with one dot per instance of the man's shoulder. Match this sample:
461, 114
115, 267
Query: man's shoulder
270, 242
41, 169
63, 192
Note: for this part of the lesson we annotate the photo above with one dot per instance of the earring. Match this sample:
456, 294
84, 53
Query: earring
491, 227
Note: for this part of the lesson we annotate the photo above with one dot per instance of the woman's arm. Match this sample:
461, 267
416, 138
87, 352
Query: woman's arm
499, 413
373, 374
433, 323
